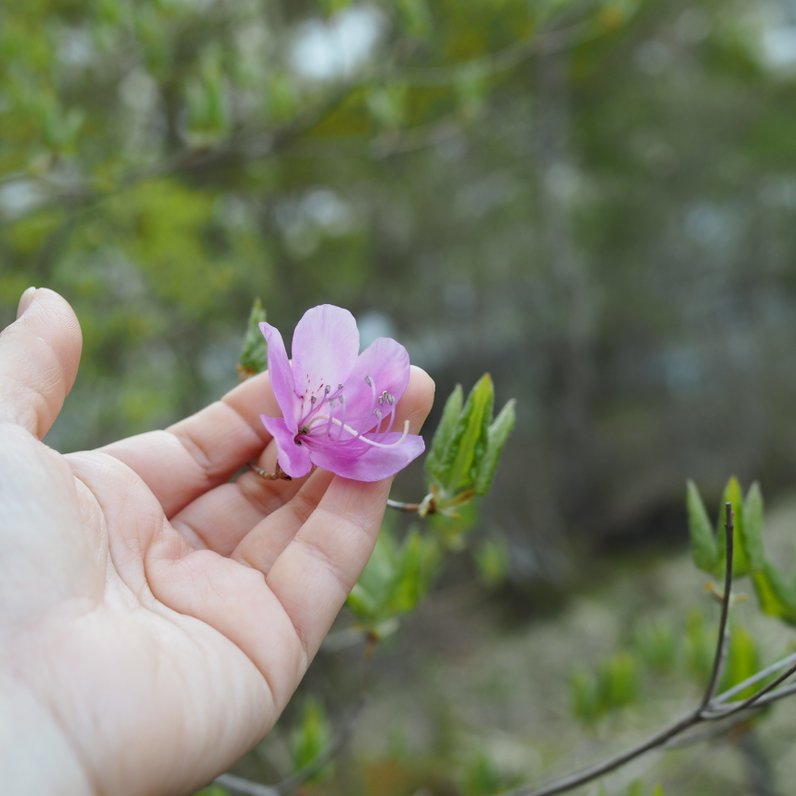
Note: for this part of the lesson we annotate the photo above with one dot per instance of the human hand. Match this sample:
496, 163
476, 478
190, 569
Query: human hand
155, 617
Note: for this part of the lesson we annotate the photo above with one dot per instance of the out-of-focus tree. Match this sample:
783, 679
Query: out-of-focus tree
590, 198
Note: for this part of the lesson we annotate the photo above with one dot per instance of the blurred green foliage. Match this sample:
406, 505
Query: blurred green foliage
397, 576
312, 737
589, 199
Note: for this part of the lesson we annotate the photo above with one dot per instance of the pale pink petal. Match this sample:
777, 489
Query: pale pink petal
293, 458
281, 375
374, 463
325, 347
383, 367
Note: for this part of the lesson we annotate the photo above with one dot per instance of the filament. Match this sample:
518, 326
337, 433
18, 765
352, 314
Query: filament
357, 435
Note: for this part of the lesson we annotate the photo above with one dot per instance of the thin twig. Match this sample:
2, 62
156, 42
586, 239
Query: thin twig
775, 696
753, 701
691, 719
240, 785
399, 505
599, 769
721, 641
788, 661
717, 712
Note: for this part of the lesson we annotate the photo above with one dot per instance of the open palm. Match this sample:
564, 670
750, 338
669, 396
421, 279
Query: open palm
154, 616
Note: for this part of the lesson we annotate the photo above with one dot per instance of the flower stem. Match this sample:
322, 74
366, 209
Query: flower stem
428, 505
399, 505
277, 475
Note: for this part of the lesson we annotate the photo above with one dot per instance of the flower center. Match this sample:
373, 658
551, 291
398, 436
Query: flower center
323, 413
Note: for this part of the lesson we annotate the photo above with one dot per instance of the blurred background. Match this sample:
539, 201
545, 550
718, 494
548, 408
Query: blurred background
593, 200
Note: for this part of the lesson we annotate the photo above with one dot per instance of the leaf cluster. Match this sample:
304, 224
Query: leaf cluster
775, 589
467, 445
395, 580
254, 352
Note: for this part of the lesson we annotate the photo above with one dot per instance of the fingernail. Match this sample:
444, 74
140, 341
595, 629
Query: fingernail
25, 300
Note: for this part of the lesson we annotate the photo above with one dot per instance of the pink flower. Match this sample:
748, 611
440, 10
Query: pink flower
338, 406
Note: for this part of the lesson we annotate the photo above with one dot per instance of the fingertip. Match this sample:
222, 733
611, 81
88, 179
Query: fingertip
25, 300
421, 378
51, 316
418, 398
39, 356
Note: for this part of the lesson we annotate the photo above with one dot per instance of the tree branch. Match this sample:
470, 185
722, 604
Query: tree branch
721, 641
697, 716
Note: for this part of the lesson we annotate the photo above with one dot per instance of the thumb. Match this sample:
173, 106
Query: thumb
39, 355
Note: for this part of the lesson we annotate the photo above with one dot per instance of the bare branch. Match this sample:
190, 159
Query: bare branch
754, 701
721, 641
695, 717
724, 696
245, 786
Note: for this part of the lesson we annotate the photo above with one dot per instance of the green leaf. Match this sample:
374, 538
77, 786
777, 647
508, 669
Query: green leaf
443, 435
387, 105
362, 603
484, 777
743, 660
497, 436
775, 595
453, 520
469, 439
703, 543
733, 494
585, 696
418, 557
369, 597
312, 737
619, 680
253, 355
331, 7
699, 645
636, 788
752, 528
656, 642
492, 561
415, 17
396, 578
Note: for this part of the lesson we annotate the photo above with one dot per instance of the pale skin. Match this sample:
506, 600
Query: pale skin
155, 616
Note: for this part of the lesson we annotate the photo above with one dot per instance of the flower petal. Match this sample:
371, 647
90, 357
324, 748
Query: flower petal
281, 376
293, 458
325, 347
374, 463
386, 363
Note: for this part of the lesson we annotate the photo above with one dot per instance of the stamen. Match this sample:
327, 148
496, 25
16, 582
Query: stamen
342, 415
372, 386
315, 404
372, 442
391, 415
